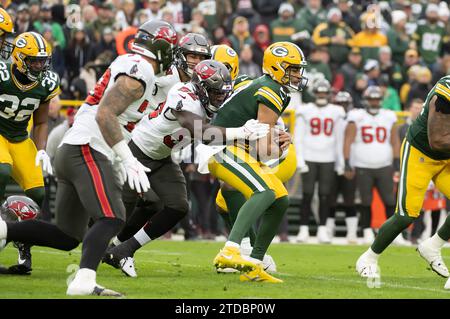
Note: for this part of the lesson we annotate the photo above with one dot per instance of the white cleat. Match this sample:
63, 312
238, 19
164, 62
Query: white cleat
367, 269
96, 290
269, 264
3, 232
303, 235
323, 236
447, 284
400, 241
331, 225
127, 267
434, 259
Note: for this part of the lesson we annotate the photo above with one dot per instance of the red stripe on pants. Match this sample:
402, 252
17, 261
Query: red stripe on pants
98, 183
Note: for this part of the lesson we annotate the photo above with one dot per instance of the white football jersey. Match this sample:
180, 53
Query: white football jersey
85, 129
317, 132
372, 146
162, 86
157, 134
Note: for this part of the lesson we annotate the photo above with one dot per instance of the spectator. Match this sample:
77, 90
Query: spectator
23, 20
311, 15
391, 100
46, 17
107, 43
411, 58
153, 9
35, 8
442, 69
105, 18
335, 35
430, 36
358, 88
141, 17
126, 16
420, 89
388, 68
398, 39
219, 36
261, 40
351, 68
444, 15
349, 15
241, 34
285, 25
181, 11
370, 39
246, 64
267, 9
372, 70
56, 135
54, 116
78, 53
88, 15
58, 61
198, 23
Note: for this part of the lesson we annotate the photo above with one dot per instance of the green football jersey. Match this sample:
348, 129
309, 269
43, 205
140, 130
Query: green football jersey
429, 40
18, 102
243, 104
418, 131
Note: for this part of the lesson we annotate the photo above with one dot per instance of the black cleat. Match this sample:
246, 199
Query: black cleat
24, 259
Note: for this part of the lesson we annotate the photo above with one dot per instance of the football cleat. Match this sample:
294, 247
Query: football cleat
433, 258
230, 257
24, 259
323, 235
366, 268
269, 264
259, 275
369, 237
226, 270
303, 235
95, 291
111, 260
3, 230
447, 284
127, 266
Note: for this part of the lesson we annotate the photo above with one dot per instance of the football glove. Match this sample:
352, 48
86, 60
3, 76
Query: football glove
252, 130
43, 157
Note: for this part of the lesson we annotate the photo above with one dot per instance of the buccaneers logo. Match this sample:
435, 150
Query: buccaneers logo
204, 71
166, 34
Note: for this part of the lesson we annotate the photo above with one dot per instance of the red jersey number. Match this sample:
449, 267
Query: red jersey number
370, 134
96, 94
321, 125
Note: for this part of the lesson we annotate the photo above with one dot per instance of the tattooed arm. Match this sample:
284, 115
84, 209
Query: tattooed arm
125, 91
438, 128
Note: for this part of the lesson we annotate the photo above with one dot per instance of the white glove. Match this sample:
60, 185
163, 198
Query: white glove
304, 169
46, 163
134, 171
120, 172
252, 130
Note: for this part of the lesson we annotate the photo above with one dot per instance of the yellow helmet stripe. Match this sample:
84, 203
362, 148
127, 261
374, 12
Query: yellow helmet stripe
271, 92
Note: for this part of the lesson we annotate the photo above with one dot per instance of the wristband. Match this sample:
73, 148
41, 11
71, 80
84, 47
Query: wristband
123, 151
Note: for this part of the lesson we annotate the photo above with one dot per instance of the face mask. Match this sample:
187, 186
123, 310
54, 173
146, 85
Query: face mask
321, 101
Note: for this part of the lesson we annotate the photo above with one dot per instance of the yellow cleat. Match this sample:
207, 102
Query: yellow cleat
259, 275
230, 257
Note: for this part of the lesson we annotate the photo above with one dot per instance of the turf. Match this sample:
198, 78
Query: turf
170, 269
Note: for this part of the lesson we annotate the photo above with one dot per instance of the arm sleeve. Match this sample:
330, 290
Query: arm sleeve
270, 98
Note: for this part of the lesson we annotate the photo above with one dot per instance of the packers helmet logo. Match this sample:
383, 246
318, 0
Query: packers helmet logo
21, 43
2, 18
231, 52
280, 51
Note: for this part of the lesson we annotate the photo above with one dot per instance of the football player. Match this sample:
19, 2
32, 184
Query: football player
263, 99
370, 148
94, 159
27, 86
425, 157
317, 136
192, 49
6, 32
344, 186
229, 200
186, 113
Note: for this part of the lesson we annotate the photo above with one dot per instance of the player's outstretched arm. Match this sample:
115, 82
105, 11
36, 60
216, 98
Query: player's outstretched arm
439, 124
125, 91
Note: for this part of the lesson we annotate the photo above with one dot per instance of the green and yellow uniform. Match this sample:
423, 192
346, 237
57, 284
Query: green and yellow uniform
430, 38
420, 164
234, 165
17, 105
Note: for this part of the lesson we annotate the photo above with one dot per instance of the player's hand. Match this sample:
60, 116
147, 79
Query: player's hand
136, 174
43, 157
283, 139
349, 171
254, 130
120, 173
396, 177
303, 169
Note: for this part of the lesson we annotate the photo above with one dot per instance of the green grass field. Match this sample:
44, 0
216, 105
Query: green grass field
170, 269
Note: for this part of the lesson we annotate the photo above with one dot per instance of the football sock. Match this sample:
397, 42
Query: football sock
324, 209
37, 194
138, 219
370, 255
5, 173
332, 212
96, 241
350, 211
225, 217
444, 230
40, 233
249, 213
84, 277
235, 200
163, 221
389, 231
436, 241
305, 209
270, 222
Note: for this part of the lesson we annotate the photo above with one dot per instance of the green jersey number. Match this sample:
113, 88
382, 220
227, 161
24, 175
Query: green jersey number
28, 105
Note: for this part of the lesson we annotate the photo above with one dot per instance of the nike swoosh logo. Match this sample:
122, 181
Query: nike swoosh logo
21, 261
228, 257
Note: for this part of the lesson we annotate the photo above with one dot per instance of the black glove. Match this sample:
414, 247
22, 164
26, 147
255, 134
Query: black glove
396, 165
348, 167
